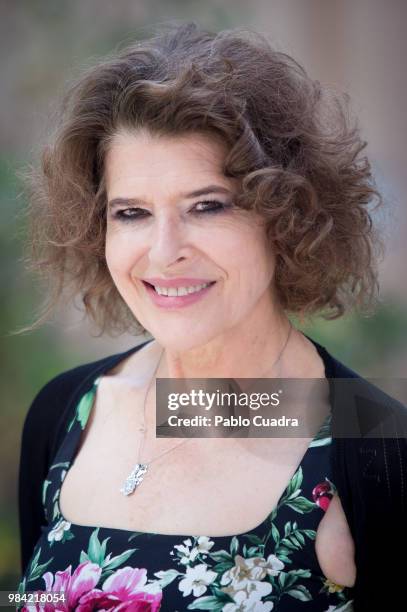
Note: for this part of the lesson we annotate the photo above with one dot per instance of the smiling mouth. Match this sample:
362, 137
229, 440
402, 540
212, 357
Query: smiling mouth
178, 291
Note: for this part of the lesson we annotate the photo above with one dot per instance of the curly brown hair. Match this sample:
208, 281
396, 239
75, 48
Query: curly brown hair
292, 143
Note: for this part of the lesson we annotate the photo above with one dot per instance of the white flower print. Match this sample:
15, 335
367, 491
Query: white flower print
247, 603
272, 566
253, 568
254, 590
57, 533
204, 544
189, 555
196, 580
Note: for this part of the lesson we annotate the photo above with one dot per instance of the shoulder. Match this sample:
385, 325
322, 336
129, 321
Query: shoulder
363, 409
52, 404
369, 437
361, 403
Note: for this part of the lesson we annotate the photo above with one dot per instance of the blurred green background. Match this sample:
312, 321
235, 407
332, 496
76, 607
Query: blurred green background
354, 45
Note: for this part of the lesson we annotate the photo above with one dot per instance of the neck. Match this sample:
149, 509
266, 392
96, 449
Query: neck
246, 352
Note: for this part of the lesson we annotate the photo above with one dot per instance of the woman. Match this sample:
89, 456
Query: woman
200, 187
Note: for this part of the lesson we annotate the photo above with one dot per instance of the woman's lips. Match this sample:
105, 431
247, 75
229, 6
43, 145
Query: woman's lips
176, 301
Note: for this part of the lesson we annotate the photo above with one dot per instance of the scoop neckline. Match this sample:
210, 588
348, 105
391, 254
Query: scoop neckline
67, 464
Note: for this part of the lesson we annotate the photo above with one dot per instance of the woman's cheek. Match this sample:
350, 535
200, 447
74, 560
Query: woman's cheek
118, 252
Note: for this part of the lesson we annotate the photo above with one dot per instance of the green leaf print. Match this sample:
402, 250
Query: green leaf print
300, 592
275, 533
292, 497
221, 555
286, 584
295, 483
62, 464
39, 570
301, 573
83, 557
302, 505
283, 556
221, 595
288, 579
34, 562
253, 539
234, 546
45, 485
221, 568
103, 546
95, 550
97, 554
35, 570
323, 437
137, 534
253, 552
166, 577
68, 535
282, 578
298, 535
118, 560
288, 542
293, 540
21, 587
206, 603
83, 408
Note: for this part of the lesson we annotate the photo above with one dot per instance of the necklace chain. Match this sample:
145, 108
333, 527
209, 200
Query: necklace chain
143, 428
136, 476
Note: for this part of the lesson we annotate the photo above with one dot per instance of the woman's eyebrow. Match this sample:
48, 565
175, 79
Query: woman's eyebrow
206, 191
193, 194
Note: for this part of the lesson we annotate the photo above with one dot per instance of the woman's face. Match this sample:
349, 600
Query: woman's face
171, 228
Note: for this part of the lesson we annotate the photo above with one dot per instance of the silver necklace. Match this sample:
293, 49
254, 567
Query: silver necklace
136, 476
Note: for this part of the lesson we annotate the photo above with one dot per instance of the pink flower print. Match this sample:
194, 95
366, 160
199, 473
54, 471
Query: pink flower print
125, 590
84, 578
322, 494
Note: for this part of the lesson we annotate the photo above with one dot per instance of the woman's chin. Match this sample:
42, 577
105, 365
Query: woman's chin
183, 340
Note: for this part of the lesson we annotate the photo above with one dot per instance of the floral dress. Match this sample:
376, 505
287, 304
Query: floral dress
271, 567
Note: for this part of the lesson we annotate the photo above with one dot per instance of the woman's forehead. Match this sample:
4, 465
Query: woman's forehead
187, 162
192, 145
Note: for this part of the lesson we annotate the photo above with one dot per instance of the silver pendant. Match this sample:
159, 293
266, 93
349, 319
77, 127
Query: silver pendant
134, 479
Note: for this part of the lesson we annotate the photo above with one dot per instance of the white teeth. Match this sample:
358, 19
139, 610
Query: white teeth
175, 291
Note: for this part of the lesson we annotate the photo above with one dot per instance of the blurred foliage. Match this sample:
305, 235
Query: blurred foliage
370, 345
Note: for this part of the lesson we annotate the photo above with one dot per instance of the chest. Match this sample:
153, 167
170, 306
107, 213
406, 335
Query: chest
216, 487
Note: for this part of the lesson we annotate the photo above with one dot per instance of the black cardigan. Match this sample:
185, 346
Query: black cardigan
369, 473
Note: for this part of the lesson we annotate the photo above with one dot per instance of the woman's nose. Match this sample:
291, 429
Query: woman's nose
168, 242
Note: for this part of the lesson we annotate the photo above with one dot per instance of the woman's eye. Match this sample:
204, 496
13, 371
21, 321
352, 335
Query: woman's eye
210, 206
135, 214
131, 213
